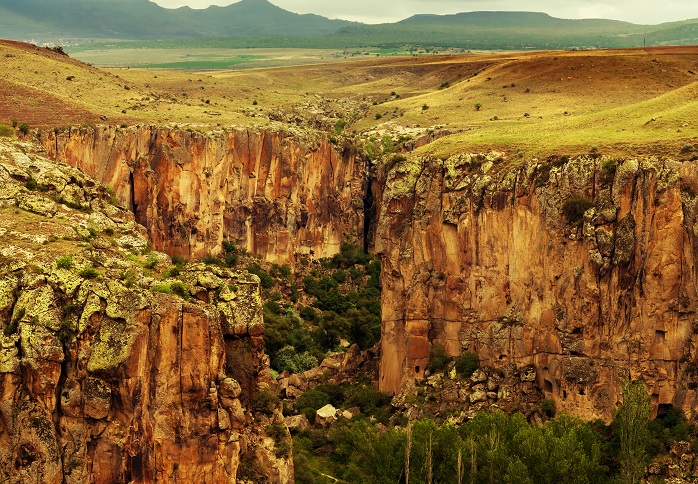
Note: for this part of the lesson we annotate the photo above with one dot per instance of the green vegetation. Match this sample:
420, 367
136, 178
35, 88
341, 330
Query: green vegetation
24, 128
467, 363
633, 420
344, 306
88, 273
548, 407
438, 358
575, 206
64, 262
492, 447
419, 34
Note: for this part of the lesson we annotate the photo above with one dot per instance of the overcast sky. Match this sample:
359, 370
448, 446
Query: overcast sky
377, 11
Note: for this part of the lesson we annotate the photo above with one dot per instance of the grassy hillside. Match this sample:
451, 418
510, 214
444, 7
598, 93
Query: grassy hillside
527, 104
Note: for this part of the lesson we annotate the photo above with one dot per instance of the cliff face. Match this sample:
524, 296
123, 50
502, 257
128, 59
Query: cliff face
105, 375
584, 268
273, 193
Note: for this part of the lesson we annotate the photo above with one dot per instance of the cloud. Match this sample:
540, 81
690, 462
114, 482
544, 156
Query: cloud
372, 11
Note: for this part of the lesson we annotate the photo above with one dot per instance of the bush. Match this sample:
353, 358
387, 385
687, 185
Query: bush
266, 402
311, 401
340, 276
574, 208
88, 273
467, 363
162, 287
266, 280
548, 407
478, 106
24, 128
438, 358
65, 262
609, 167
368, 399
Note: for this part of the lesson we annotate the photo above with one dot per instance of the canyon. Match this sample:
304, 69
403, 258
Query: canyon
478, 250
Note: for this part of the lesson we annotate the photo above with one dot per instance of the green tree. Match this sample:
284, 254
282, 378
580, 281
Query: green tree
633, 418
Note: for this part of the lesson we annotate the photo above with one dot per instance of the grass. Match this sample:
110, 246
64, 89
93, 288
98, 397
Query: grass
532, 104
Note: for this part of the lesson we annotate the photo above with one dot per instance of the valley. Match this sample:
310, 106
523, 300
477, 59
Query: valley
533, 210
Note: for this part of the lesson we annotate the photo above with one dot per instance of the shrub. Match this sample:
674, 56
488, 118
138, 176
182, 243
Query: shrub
379, 115
88, 273
340, 276
368, 399
478, 106
438, 358
65, 262
162, 287
31, 184
575, 206
24, 128
266, 401
548, 407
467, 363
339, 126
425, 107
609, 167
14, 122
311, 401
181, 290
151, 262
266, 280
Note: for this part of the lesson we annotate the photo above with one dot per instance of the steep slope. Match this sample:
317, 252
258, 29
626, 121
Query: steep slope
105, 375
582, 267
278, 194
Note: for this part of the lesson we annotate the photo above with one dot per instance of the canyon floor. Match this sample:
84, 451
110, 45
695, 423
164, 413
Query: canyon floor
637, 101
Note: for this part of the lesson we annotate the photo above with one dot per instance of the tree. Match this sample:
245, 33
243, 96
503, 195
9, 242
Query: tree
633, 418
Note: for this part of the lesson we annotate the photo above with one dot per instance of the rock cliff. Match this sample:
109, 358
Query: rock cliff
584, 268
109, 373
273, 192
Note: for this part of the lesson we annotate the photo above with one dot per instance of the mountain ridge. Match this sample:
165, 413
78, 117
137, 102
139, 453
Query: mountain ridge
260, 23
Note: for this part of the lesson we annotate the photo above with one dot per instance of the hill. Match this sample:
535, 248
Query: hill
44, 20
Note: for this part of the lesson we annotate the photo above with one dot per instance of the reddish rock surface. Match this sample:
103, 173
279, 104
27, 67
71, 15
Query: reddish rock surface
477, 256
274, 193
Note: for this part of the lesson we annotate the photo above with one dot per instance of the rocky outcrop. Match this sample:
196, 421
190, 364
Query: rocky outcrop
274, 193
584, 268
108, 372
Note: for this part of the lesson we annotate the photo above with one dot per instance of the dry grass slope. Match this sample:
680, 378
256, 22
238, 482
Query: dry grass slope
534, 103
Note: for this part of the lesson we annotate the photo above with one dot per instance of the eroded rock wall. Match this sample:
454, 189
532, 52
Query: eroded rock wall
274, 193
480, 256
106, 375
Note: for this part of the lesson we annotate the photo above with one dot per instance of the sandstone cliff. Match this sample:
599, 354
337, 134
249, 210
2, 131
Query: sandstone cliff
105, 374
275, 193
584, 268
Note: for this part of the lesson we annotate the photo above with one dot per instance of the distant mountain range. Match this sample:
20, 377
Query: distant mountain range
145, 20
259, 23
